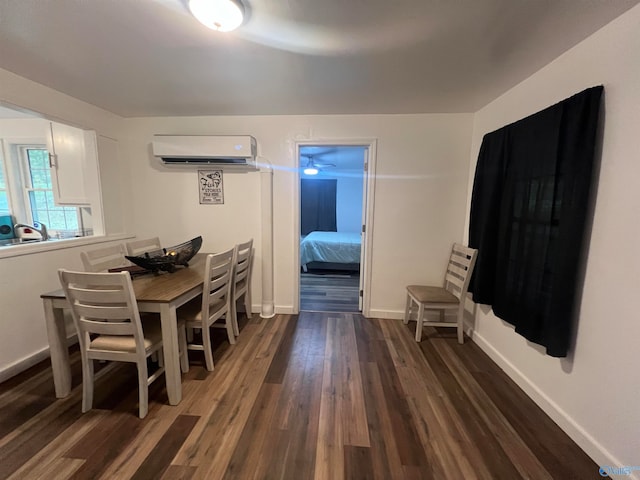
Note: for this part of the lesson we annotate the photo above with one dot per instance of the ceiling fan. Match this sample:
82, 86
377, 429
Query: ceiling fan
313, 166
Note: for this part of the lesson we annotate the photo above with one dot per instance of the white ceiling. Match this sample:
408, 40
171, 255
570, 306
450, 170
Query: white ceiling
151, 57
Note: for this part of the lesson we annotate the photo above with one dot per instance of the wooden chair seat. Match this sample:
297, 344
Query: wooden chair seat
428, 294
152, 336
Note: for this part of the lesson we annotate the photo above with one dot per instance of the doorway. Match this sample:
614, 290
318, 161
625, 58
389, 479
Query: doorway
334, 189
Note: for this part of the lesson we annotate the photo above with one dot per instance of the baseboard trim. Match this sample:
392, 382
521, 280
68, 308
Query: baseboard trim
389, 314
399, 315
288, 310
576, 432
27, 362
23, 364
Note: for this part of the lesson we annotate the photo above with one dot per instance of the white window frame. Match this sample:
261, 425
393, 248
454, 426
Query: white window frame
7, 188
15, 163
22, 151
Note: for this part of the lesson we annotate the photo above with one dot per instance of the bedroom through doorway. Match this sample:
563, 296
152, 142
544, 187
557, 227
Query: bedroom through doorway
332, 217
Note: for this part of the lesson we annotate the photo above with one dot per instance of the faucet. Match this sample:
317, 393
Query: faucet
39, 227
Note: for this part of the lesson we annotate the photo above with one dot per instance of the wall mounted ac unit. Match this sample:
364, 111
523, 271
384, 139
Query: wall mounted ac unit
205, 150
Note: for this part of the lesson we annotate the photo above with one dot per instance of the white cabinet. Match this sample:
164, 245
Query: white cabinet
68, 161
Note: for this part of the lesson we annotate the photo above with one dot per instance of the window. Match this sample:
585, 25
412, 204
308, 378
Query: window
39, 192
529, 205
26, 190
4, 193
65, 198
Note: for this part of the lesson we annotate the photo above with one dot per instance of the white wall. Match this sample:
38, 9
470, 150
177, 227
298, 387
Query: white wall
349, 203
422, 168
29, 128
23, 278
594, 394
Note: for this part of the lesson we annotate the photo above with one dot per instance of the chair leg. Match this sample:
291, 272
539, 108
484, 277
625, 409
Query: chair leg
247, 302
206, 346
407, 310
143, 387
419, 322
233, 314
87, 384
182, 346
228, 323
461, 323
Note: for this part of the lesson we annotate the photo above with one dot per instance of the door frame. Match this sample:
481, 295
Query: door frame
369, 175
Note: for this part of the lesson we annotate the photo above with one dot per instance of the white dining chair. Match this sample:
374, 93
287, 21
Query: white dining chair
242, 281
138, 247
104, 258
105, 314
451, 296
213, 309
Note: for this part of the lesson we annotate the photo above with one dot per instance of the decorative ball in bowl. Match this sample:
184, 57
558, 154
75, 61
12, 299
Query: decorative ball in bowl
168, 259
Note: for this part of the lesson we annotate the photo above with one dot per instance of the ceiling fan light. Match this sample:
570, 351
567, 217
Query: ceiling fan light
310, 171
221, 15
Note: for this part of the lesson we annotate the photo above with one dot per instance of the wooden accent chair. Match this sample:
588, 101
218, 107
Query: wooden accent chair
451, 296
215, 304
102, 259
107, 320
242, 281
138, 247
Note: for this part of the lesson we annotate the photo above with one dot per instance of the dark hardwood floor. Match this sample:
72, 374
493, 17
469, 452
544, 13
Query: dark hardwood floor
320, 395
322, 292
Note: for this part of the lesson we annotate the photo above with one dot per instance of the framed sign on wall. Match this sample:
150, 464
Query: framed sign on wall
211, 187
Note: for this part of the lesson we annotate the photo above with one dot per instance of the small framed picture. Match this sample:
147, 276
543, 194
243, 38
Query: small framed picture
211, 187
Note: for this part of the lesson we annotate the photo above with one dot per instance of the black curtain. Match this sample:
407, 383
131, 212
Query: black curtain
318, 205
528, 212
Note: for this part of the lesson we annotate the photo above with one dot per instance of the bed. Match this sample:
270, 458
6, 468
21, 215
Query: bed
330, 251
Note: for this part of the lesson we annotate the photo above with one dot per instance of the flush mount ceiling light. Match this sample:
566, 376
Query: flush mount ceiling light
221, 15
310, 169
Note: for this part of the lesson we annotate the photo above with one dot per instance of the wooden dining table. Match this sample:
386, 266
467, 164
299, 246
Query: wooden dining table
159, 293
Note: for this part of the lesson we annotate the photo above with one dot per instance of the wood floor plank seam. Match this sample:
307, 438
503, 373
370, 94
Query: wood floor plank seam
440, 427
403, 429
249, 392
329, 459
519, 453
159, 459
492, 451
386, 461
354, 418
321, 395
223, 425
40, 465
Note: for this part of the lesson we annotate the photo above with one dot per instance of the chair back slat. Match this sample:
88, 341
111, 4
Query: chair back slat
102, 303
461, 263
136, 248
102, 259
107, 327
242, 270
95, 295
219, 285
218, 282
